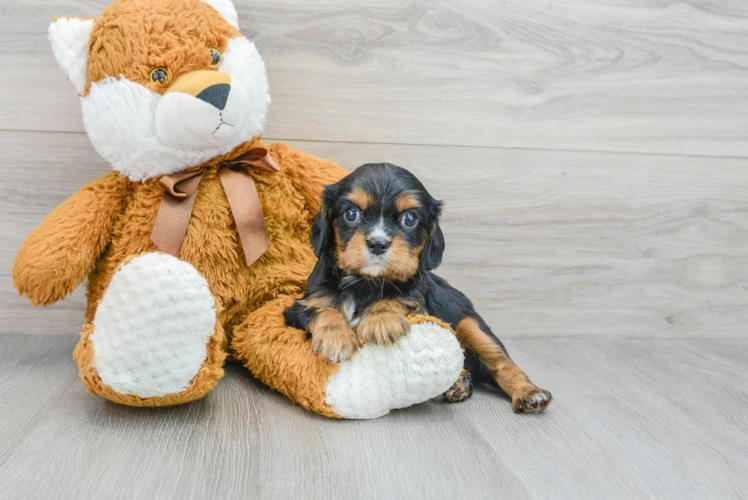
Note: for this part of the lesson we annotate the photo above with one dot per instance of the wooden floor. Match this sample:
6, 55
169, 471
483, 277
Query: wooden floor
631, 419
593, 157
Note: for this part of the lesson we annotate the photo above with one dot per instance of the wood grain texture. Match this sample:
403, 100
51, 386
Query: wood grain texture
624, 424
39, 171
547, 244
621, 75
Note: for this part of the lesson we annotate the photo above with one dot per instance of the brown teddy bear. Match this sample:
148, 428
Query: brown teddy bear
198, 239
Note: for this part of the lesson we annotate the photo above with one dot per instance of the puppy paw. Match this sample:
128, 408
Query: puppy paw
535, 399
332, 338
384, 324
460, 390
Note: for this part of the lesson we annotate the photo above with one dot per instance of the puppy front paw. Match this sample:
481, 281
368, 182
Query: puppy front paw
332, 339
384, 324
533, 400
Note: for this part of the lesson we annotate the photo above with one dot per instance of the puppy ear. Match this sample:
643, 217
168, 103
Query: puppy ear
320, 231
431, 255
321, 236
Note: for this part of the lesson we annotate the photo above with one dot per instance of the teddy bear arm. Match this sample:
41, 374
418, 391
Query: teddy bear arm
56, 257
377, 379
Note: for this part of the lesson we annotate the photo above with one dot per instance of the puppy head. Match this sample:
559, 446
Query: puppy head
380, 222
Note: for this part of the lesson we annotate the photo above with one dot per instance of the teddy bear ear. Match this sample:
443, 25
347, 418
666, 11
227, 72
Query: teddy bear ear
226, 9
69, 37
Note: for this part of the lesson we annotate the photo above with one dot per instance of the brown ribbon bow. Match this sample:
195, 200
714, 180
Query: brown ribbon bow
180, 191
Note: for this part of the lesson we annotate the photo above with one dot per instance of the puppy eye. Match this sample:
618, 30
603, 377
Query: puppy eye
352, 215
217, 57
159, 75
409, 220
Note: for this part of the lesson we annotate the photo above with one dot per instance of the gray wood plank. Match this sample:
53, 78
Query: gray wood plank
634, 419
631, 419
34, 371
664, 77
40, 171
547, 244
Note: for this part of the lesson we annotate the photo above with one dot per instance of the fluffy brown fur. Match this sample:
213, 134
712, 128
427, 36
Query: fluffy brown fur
125, 32
48, 272
110, 220
281, 357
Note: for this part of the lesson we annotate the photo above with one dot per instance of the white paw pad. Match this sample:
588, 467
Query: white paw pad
421, 365
152, 327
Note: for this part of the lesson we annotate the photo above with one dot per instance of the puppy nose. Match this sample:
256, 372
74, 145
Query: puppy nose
378, 247
216, 95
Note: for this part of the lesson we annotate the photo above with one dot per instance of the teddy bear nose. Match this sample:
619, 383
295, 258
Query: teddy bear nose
216, 95
378, 247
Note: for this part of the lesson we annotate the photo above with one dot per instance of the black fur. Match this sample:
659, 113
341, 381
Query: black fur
428, 292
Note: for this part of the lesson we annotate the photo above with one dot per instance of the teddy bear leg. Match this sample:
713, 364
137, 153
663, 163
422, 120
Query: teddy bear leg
155, 339
419, 366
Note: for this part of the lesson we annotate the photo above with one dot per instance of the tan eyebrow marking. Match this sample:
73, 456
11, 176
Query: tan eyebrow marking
361, 197
406, 202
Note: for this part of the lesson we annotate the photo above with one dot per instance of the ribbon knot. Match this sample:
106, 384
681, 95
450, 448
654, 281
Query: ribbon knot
180, 191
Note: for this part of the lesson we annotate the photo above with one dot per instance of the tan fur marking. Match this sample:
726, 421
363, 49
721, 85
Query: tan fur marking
316, 302
361, 197
508, 375
332, 338
352, 255
384, 323
409, 305
403, 260
406, 202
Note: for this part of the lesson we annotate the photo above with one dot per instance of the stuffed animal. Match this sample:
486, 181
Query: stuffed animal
198, 240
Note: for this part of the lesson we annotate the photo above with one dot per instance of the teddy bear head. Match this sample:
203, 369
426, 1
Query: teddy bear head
164, 84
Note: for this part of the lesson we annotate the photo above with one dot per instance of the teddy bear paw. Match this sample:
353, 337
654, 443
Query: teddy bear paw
379, 378
152, 327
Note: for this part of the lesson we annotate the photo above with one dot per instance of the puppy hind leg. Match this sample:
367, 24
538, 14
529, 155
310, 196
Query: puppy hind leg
526, 396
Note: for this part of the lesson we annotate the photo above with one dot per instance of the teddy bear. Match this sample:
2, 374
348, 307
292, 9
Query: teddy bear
198, 239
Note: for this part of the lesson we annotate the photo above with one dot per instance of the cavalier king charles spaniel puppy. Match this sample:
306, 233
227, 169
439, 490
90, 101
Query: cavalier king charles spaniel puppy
377, 238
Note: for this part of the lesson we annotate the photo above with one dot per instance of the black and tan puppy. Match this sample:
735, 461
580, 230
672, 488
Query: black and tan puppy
377, 238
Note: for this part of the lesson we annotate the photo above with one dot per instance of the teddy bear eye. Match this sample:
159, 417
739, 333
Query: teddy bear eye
159, 75
216, 57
